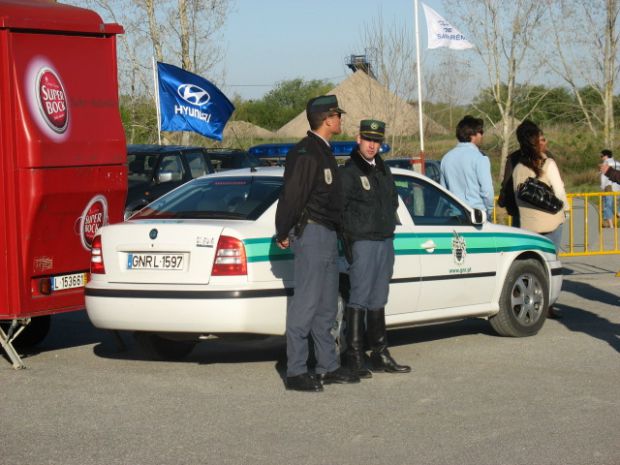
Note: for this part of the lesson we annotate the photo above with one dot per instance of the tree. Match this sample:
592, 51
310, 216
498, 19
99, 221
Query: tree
592, 57
542, 104
281, 104
504, 32
390, 51
181, 32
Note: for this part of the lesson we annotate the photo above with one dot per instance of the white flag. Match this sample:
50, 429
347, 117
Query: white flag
441, 33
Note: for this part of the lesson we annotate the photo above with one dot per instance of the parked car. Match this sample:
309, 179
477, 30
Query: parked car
202, 260
431, 167
229, 159
154, 170
275, 154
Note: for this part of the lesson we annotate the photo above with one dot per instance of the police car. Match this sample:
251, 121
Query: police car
202, 261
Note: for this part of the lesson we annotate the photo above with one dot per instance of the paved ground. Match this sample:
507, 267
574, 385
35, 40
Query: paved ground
474, 398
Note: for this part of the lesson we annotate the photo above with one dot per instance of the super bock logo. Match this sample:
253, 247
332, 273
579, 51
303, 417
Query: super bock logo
52, 100
459, 249
93, 217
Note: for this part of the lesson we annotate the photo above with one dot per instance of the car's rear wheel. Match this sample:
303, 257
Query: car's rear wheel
524, 300
33, 334
161, 348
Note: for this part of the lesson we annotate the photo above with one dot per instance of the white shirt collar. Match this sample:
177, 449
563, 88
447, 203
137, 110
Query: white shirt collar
323, 138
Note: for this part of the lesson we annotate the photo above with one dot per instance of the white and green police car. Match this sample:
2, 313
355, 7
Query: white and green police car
202, 261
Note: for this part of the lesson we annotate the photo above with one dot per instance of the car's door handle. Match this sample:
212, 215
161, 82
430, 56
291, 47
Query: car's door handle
429, 246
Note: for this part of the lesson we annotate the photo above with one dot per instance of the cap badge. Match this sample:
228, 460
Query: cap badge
374, 126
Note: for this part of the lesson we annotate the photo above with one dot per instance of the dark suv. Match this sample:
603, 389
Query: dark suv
154, 170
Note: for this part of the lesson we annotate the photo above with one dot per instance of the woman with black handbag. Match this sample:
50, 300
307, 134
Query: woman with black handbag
534, 162
546, 216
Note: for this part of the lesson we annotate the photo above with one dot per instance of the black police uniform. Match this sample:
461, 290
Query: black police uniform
310, 193
370, 204
309, 213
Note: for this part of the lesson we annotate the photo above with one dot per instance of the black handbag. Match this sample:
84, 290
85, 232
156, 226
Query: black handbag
539, 195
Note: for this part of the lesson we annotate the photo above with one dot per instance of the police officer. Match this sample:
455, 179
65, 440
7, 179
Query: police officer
370, 203
308, 216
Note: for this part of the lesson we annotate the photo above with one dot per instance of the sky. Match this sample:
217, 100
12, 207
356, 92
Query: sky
270, 41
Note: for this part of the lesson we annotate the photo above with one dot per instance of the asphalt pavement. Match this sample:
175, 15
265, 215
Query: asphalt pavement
473, 397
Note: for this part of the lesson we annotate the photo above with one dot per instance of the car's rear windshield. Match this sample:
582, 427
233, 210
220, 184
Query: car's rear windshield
243, 198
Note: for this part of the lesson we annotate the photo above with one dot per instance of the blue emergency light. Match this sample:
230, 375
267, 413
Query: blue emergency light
340, 149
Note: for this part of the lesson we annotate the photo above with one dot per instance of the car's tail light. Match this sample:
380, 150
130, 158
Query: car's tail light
96, 257
230, 259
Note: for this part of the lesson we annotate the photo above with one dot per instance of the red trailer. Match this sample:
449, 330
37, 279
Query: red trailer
62, 155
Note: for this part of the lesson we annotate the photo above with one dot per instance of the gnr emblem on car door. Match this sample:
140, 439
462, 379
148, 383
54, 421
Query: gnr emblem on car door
459, 249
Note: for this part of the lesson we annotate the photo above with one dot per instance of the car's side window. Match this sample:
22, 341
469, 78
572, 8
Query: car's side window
428, 205
197, 164
432, 172
170, 169
136, 168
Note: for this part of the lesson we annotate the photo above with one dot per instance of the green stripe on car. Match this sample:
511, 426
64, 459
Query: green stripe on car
265, 249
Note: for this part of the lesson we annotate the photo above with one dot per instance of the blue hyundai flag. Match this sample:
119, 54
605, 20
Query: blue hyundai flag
189, 102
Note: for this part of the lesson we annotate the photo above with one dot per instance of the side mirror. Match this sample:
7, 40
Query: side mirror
168, 176
478, 217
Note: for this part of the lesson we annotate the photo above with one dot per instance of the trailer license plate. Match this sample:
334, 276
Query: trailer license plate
151, 261
69, 281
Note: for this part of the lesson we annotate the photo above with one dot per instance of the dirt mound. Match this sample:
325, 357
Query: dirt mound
362, 97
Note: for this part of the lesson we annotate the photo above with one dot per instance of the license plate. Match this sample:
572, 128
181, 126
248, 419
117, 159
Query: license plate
69, 281
155, 261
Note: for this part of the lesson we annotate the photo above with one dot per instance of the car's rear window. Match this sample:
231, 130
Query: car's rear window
244, 198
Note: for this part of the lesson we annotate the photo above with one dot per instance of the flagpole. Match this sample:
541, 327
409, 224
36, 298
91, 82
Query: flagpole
156, 83
419, 72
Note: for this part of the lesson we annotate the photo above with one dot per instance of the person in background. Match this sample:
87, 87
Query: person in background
607, 185
465, 170
612, 173
507, 198
308, 217
534, 162
370, 203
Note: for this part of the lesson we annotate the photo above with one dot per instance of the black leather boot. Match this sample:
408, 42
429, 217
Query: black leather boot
354, 356
380, 358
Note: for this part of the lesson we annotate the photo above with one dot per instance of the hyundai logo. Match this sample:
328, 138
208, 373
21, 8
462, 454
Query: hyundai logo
193, 94
153, 234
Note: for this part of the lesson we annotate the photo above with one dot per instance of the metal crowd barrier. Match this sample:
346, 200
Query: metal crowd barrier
584, 232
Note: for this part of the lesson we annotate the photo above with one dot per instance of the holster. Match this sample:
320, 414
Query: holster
299, 227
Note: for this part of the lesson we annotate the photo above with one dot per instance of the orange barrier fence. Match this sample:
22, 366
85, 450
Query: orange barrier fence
585, 230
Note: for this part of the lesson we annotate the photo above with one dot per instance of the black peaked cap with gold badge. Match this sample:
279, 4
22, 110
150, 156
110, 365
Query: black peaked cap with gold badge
324, 104
372, 129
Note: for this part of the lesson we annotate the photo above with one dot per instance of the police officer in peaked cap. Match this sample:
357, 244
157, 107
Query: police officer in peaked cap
308, 216
370, 203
